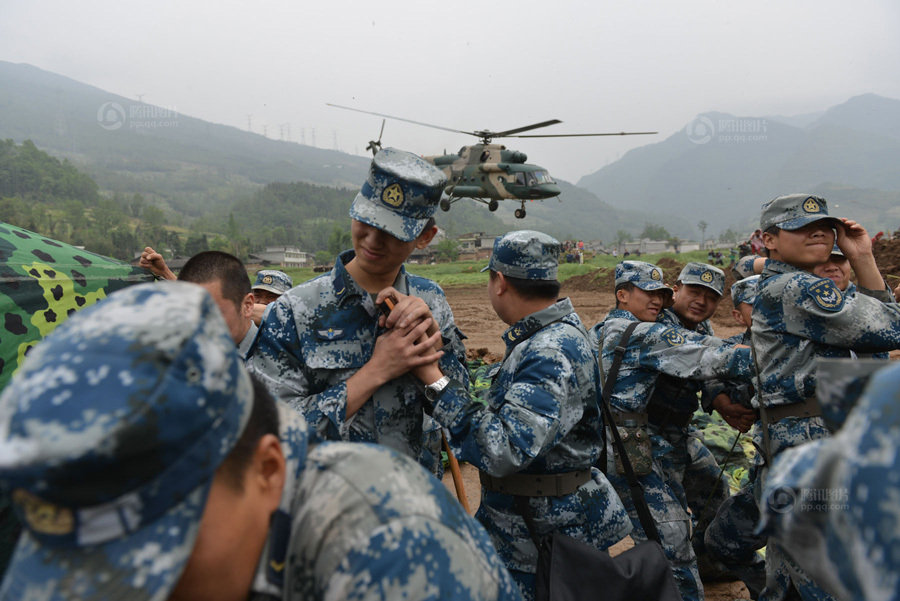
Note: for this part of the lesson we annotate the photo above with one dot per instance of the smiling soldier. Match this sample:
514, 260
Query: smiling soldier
324, 347
657, 349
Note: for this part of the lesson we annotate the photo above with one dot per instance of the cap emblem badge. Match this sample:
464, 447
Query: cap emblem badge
393, 195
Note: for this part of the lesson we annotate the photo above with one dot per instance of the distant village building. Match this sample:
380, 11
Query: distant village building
475, 246
647, 246
285, 256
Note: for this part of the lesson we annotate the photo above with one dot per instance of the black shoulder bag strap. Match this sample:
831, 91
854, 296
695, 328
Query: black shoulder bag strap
637, 493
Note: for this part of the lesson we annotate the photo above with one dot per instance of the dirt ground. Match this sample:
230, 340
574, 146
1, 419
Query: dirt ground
477, 320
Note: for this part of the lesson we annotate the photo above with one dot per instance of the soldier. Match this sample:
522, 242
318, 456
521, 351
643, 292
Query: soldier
269, 285
226, 280
656, 349
144, 464
324, 347
837, 269
799, 317
831, 504
691, 469
538, 435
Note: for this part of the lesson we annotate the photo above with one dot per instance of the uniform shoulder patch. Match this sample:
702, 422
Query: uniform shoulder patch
673, 337
826, 295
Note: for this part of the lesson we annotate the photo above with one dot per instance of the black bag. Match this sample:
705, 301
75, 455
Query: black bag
570, 570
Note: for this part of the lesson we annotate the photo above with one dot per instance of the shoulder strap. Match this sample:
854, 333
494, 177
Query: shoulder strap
637, 493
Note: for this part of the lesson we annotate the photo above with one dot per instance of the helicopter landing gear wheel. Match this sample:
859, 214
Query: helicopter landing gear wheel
492, 206
445, 204
520, 213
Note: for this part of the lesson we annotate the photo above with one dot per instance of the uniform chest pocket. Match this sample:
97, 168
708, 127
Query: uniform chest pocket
335, 354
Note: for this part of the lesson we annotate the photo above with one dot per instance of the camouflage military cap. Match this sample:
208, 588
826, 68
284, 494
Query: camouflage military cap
794, 211
110, 434
276, 282
743, 267
400, 194
702, 274
645, 276
744, 291
526, 254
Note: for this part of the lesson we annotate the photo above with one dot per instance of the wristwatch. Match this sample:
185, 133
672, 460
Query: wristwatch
434, 390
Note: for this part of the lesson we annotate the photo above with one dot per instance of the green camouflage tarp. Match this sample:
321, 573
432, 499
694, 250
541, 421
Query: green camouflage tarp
42, 282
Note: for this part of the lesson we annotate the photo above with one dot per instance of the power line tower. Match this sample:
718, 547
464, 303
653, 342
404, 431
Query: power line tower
249, 122
313, 135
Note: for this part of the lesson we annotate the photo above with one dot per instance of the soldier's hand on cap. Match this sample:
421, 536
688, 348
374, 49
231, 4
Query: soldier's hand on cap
407, 311
735, 415
853, 239
399, 350
152, 260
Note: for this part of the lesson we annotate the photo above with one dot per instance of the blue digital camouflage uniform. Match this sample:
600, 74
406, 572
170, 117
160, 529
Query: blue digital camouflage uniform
832, 503
799, 317
541, 417
360, 521
112, 433
657, 349
321, 332
730, 536
690, 466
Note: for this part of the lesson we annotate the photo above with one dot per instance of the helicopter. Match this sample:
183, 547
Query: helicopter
486, 172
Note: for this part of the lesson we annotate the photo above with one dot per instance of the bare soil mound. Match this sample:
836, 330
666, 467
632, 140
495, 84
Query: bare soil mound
887, 255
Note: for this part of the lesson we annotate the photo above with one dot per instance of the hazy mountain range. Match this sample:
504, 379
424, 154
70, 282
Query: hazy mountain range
722, 167
719, 169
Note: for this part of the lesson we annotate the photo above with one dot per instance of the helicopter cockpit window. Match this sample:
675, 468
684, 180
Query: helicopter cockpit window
543, 177
530, 179
520, 179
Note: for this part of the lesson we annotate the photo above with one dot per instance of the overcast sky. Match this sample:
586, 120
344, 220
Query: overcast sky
596, 65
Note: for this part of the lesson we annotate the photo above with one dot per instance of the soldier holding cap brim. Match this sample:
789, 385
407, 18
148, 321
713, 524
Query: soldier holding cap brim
799, 317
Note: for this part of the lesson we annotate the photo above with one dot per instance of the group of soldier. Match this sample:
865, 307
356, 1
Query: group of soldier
158, 445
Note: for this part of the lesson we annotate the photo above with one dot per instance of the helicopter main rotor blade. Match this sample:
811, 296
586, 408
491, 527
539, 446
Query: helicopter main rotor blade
620, 133
349, 108
508, 133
